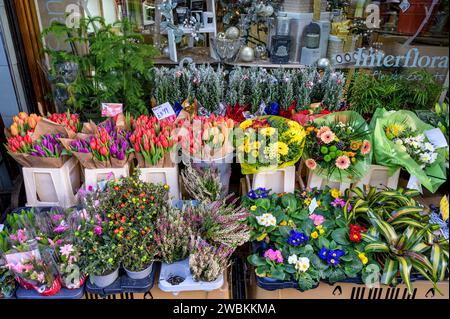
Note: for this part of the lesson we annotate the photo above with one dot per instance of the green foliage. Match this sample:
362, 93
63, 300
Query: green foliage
113, 65
414, 90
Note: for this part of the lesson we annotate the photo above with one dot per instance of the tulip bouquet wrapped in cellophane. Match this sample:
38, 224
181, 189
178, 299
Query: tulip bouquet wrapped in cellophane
400, 141
269, 142
338, 147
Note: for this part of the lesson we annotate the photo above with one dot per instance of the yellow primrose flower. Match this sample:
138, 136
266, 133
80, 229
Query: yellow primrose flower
321, 231
253, 208
319, 203
261, 237
335, 193
283, 223
166, 186
307, 201
363, 258
314, 235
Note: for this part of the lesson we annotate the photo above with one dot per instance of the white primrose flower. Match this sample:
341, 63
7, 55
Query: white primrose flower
266, 220
292, 260
302, 264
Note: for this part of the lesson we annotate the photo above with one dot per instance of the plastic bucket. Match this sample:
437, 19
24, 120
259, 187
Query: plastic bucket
223, 166
410, 20
139, 274
105, 281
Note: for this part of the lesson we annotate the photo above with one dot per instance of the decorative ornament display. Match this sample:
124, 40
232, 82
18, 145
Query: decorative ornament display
247, 54
221, 36
232, 33
165, 51
261, 52
268, 10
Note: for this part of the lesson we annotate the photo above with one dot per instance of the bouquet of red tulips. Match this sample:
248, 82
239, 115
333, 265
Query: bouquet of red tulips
152, 140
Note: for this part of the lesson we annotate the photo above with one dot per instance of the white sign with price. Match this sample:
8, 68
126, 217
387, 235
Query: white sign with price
163, 111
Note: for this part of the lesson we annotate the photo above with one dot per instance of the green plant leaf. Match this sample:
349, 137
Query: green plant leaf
340, 236
390, 271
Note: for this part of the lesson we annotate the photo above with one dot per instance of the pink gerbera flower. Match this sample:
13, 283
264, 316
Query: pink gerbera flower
343, 162
366, 147
311, 164
322, 130
327, 137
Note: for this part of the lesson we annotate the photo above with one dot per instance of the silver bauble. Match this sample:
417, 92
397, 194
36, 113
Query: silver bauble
247, 54
268, 11
166, 52
323, 63
232, 33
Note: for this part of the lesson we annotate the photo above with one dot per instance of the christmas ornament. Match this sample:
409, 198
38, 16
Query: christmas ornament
323, 63
232, 33
247, 54
166, 51
267, 11
221, 36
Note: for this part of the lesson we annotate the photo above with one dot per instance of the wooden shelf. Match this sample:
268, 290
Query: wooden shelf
199, 55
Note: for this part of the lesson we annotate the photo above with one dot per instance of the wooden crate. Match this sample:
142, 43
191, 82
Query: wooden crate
378, 176
49, 187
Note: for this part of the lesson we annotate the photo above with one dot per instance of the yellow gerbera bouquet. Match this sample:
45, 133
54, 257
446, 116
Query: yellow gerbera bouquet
269, 142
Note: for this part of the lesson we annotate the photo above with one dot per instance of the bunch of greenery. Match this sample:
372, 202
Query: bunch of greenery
112, 62
414, 90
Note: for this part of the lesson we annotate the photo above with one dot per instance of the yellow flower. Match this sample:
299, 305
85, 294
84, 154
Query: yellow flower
363, 258
283, 149
246, 146
335, 193
166, 186
319, 203
255, 153
396, 129
283, 223
355, 145
314, 235
262, 237
253, 208
307, 201
255, 145
293, 124
268, 131
319, 227
322, 231
246, 124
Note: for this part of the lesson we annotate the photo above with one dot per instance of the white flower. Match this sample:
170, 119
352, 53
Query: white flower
425, 157
266, 220
302, 264
428, 146
292, 260
420, 138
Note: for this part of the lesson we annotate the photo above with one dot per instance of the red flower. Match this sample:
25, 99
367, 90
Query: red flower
355, 237
355, 233
103, 151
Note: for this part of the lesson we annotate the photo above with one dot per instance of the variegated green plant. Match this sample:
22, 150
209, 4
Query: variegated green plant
412, 249
397, 207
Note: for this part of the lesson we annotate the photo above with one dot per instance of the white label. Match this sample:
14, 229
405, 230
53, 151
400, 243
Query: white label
404, 6
163, 111
436, 137
414, 183
313, 205
1, 227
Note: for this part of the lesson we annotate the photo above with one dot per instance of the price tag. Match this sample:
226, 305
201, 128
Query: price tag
313, 206
111, 109
163, 111
436, 137
1, 227
414, 183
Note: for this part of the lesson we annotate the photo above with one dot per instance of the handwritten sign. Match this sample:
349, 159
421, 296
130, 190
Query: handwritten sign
436, 138
163, 111
111, 109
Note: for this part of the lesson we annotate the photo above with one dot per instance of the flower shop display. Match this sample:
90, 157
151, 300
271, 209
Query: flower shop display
401, 141
400, 235
7, 283
338, 147
119, 228
268, 143
196, 243
300, 242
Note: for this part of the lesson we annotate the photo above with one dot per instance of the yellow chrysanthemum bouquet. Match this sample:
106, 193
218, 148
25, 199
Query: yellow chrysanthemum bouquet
269, 142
